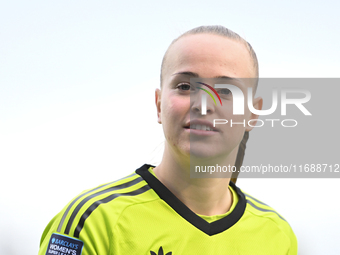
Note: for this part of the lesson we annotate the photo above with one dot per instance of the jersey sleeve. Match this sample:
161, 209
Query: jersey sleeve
85, 226
67, 234
274, 224
293, 241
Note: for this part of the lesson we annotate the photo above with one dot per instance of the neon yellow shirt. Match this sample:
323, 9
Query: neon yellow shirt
139, 215
213, 217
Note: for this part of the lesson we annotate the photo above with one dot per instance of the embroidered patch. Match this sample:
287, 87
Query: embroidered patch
64, 245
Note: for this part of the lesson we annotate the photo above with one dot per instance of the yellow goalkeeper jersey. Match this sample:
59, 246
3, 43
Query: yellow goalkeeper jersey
139, 215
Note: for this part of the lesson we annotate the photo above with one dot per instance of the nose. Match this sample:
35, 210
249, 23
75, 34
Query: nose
202, 103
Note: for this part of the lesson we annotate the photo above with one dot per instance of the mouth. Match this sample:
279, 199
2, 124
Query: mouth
201, 125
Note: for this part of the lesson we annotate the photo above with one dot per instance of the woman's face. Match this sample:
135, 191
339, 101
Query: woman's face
179, 108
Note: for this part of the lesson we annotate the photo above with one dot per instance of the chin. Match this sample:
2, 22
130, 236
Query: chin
199, 154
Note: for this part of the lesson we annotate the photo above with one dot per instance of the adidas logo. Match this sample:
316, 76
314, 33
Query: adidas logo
160, 252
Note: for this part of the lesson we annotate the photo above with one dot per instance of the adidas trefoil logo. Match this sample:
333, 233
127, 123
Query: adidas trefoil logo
160, 252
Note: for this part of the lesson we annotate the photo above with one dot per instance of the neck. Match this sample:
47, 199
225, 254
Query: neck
205, 196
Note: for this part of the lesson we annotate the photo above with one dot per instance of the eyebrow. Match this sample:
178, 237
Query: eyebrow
192, 74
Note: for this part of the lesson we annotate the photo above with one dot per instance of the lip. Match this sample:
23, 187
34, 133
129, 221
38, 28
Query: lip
201, 132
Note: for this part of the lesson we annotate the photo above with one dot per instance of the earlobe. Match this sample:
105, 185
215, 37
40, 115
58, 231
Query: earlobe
257, 103
158, 105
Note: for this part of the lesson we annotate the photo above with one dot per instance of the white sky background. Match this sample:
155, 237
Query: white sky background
77, 82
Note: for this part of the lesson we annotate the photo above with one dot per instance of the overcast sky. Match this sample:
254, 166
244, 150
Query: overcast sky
77, 82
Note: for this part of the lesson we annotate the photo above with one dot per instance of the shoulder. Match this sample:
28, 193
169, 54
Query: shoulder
259, 215
263, 211
112, 197
96, 210
99, 200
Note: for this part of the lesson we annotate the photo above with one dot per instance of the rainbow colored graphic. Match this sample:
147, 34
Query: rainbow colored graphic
211, 88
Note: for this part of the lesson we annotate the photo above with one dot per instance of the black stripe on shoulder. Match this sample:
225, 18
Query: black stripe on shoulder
89, 210
80, 196
264, 210
110, 189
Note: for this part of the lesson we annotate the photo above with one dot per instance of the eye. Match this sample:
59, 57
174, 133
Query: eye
224, 91
184, 86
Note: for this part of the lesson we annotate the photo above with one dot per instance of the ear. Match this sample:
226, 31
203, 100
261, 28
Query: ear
257, 103
158, 93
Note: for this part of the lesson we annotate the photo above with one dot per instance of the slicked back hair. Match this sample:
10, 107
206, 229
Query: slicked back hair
222, 31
